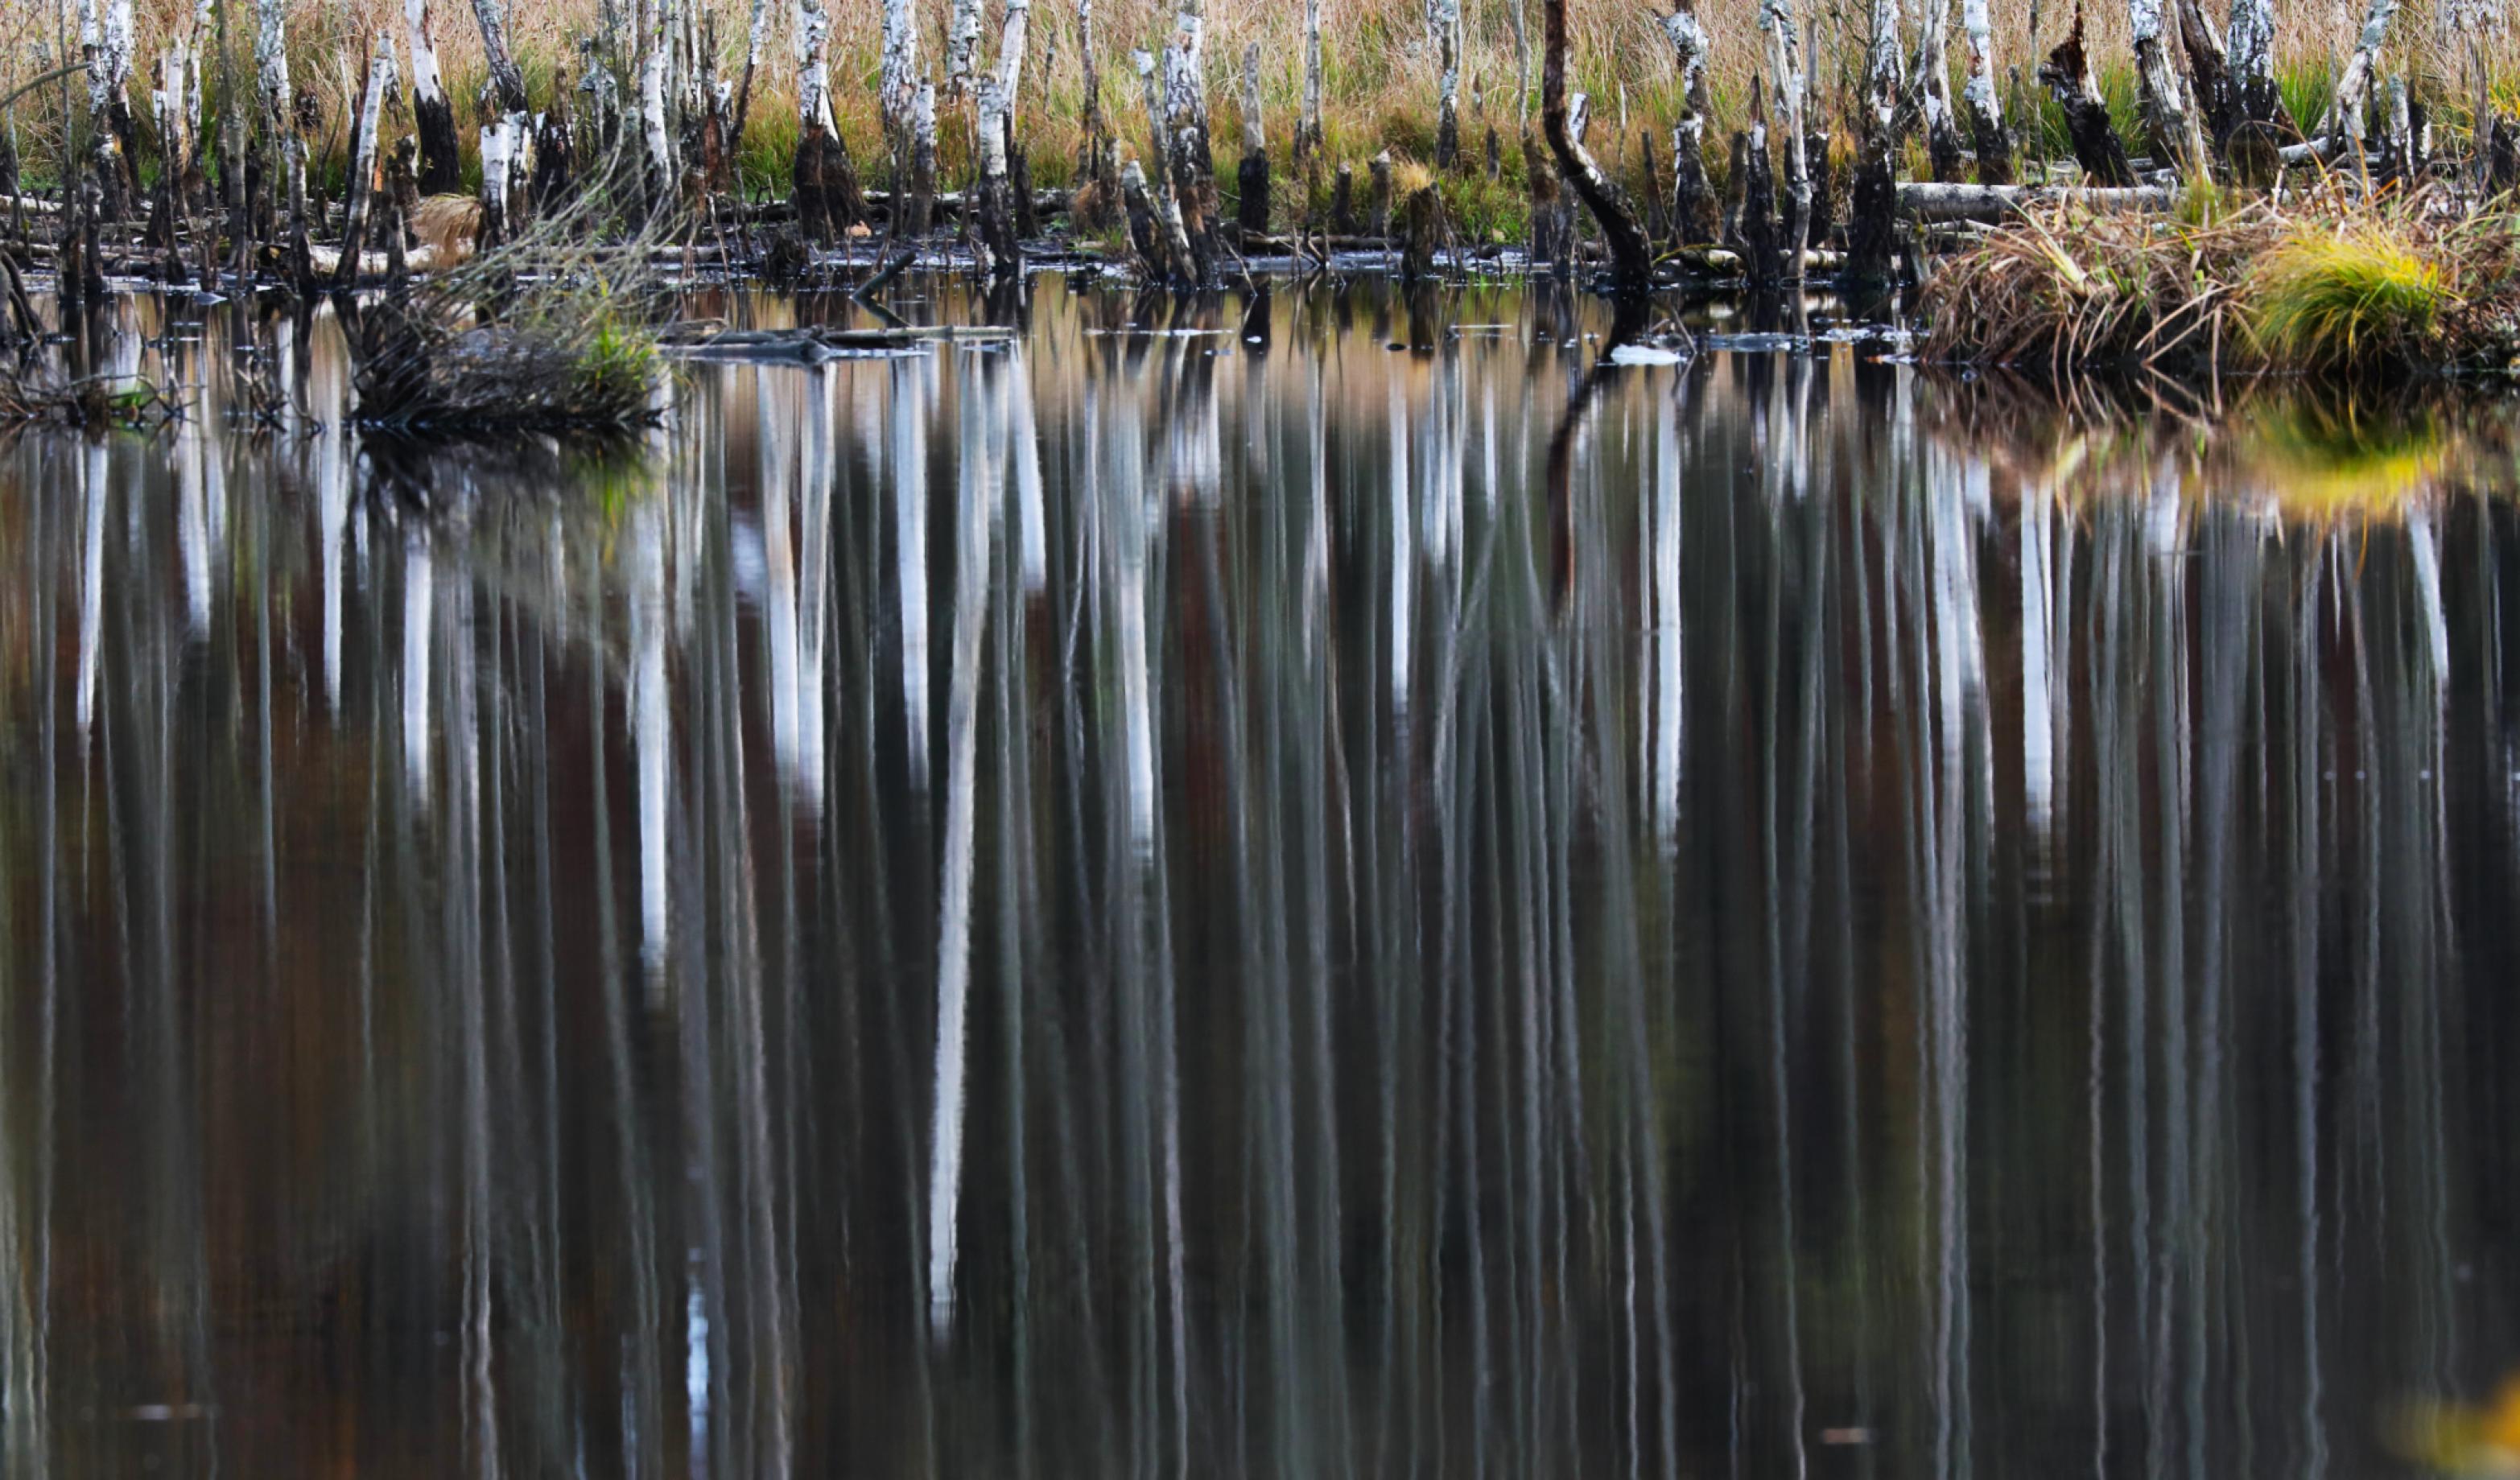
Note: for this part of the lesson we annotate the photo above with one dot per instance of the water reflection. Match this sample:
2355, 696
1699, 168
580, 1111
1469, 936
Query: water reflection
1875, 927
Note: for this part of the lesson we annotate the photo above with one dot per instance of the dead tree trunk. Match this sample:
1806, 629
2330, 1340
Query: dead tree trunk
993, 238
432, 115
900, 81
1187, 149
2209, 67
923, 163
1871, 225
1539, 170
363, 159
2067, 72
1444, 26
1692, 203
1308, 129
2344, 125
1094, 150
1252, 177
1630, 257
106, 34
507, 83
1979, 107
2162, 93
2254, 98
1785, 68
1755, 234
825, 183
1931, 91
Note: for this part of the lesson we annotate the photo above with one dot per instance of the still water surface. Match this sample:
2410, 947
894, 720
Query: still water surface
1165, 900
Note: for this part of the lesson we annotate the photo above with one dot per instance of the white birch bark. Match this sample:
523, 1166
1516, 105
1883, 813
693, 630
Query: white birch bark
1308, 136
900, 79
1977, 92
1881, 69
962, 42
1444, 26
169, 103
813, 73
1785, 70
654, 130
363, 150
2344, 108
506, 84
428, 85
1185, 90
1932, 83
2170, 111
1012, 37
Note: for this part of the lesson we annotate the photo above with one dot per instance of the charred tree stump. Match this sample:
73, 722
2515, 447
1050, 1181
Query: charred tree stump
1823, 188
2067, 71
1379, 205
1762, 244
2503, 156
554, 156
805, 189
1871, 217
1343, 202
1540, 173
432, 113
1422, 231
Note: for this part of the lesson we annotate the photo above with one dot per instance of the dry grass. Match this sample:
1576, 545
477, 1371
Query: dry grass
2329, 280
1380, 71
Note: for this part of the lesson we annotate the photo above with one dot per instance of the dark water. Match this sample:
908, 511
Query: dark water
1154, 904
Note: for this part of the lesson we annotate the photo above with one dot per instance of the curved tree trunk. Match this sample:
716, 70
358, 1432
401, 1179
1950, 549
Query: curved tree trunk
1630, 257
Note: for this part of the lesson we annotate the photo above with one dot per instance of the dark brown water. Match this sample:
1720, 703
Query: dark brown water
1155, 903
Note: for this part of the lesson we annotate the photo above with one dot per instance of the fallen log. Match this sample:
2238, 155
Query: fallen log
810, 345
1926, 202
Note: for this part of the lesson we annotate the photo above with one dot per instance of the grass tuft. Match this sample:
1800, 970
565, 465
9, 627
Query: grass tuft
2360, 294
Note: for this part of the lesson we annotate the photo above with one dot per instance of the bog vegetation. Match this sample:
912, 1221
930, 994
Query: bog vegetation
491, 191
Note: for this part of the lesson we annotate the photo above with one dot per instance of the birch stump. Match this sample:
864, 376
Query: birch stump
507, 83
106, 36
901, 80
1931, 92
1692, 200
1871, 224
823, 182
364, 129
1785, 68
2161, 92
1444, 26
433, 116
1979, 107
2252, 53
2344, 127
2067, 71
1187, 146
994, 241
1251, 179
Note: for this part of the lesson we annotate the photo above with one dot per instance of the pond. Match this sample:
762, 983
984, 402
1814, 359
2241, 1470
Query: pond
1216, 889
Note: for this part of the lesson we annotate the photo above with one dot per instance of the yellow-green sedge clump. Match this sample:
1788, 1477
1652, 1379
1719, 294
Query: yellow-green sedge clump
2361, 294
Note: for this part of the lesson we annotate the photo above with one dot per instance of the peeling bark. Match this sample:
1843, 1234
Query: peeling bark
962, 46
2344, 124
507, 83
2067, 72
363, 156
2252, 53
1979, 107
2209, 68
993, 237
2162, 94
1444, 26
1692, 202
1785, 70
1931, 92
1187, 149
900, 80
